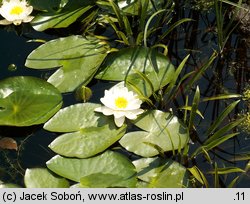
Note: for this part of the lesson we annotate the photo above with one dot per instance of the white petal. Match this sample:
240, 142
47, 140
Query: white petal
134, 104
5, 22
99, 109
133, 114
119, 121
17, 22
29, 10
28, 19
105, 110
108, 101
119, 114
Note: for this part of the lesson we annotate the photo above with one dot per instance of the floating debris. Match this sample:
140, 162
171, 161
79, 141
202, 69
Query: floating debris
8, 143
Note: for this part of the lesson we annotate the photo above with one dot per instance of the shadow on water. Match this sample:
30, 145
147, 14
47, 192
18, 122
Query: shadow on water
229, 73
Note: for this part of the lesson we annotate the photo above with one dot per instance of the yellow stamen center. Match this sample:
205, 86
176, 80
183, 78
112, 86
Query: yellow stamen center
16, 10
121, 102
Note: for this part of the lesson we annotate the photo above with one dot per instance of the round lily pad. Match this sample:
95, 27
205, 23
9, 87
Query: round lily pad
160, 131
107, 163
26, 101
42, 178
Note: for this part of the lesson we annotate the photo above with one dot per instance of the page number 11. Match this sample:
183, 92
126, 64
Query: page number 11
240, 196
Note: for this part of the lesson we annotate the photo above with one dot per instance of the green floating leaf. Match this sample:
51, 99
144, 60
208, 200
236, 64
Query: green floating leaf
128, 63
75, 118
148, 168
101, 180
78, 59
109, 162
89, 132
161, 173
83, 144
42, 178
161, 129
57, 19
9, 185
26, 101
141, 184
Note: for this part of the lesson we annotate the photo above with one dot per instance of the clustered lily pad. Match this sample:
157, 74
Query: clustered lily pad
124, 136
83, 154
90, 145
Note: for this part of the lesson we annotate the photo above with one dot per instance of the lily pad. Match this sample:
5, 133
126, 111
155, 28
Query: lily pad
77, 58
145, 68
101, 180
60, 19
26, 101
77, 117
161, 173
88, 142
161, 131
42, 178
108, 162
148, 168
9, 185
88, 132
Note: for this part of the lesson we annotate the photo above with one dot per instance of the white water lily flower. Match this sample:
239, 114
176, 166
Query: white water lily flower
16, 12
121, 103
